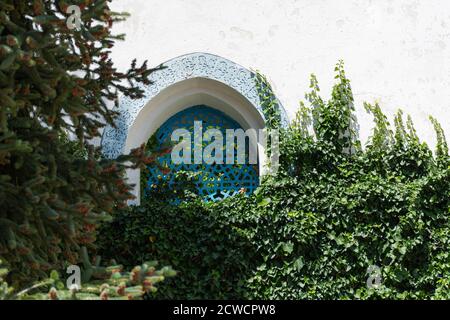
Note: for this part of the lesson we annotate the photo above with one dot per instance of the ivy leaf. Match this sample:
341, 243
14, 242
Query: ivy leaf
299, 263
264, 202
288, 247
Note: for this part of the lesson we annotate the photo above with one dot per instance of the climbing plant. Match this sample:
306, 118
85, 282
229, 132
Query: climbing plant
334, 213
269, 103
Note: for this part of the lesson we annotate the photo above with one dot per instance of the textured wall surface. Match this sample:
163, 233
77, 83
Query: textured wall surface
396, 52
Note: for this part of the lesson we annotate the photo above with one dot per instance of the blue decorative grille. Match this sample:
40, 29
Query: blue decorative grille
216, 181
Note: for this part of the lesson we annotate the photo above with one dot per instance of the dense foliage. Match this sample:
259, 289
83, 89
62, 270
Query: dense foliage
57, 79
333, 215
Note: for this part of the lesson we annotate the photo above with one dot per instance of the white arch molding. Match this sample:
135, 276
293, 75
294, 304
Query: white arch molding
189, 80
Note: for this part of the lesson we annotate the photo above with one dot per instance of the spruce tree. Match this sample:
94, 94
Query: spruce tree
56, 78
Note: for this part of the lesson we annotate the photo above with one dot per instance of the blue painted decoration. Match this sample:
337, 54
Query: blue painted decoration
214, 182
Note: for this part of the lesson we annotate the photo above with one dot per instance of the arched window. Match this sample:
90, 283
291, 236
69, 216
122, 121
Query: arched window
213, 181
197, 79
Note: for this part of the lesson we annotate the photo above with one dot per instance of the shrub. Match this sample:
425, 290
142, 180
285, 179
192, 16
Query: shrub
334, 213
211, 257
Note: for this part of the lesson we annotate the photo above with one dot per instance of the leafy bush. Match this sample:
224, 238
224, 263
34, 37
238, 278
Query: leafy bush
333, 212
211, 258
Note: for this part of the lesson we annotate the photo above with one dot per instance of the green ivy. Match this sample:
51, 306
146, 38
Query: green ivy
313, 231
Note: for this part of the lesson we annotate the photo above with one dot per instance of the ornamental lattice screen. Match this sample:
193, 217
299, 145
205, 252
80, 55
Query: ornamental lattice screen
213, 182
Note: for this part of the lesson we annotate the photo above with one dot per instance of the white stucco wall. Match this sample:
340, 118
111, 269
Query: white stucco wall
396, 52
